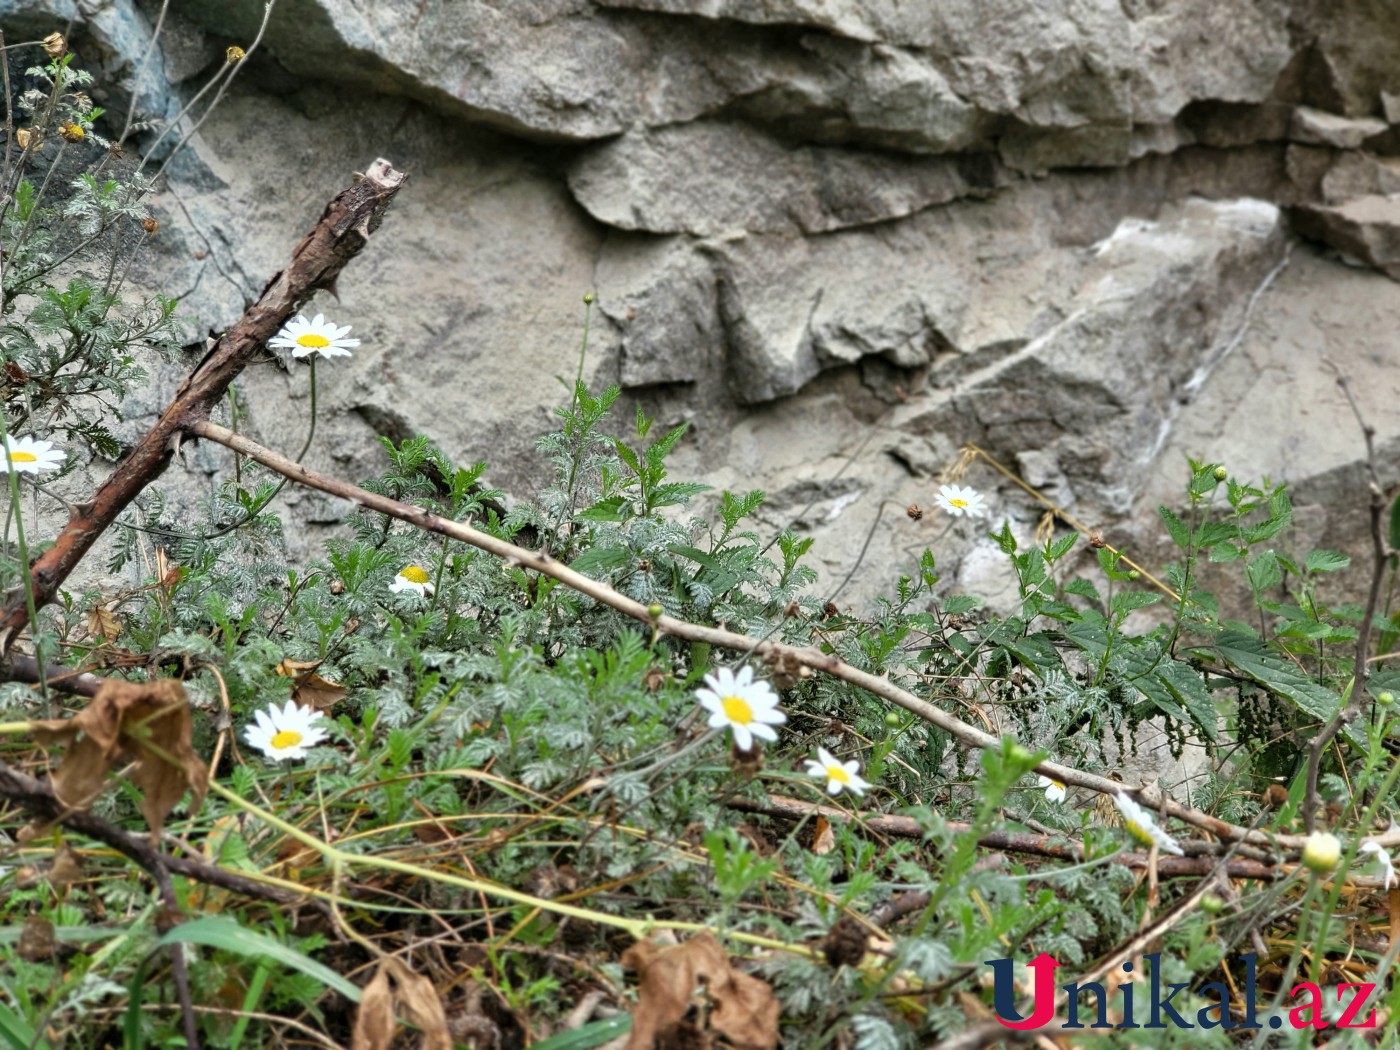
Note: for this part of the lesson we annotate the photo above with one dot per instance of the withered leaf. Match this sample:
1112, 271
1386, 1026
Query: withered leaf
36, 940
145, 721
103, 623
308, 688
823, 836
397, 989
744, 1011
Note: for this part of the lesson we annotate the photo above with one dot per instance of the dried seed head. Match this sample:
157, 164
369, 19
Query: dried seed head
29, 138
235, 54
915, 512
55, 45
150, 225
1097, 541
72, 132
82, 102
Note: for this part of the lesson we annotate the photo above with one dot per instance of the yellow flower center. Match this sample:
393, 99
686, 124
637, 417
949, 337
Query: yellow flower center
1058, 785
413, 574
285, 739
961, 504
1139, 832
313, 341
838, 773
737, 710
23, 457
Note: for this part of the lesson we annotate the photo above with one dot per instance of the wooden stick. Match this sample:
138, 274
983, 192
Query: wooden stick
341, 232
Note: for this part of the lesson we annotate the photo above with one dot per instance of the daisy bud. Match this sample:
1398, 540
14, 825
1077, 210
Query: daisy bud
1321, 852
655, 611
1133, 574
893, 719
1386, 698
589, 298
1212, 904
234, 54
72, 132
55, 45
1220, 474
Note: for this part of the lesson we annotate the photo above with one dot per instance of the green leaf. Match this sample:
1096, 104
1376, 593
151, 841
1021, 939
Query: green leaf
955, 604
1264, 571
1189, 688
605, 559
1326, 561
16, 1033
223, 933
1176, 528
1130, 601
1057, 550
1253, 657
588, 1036
614, 508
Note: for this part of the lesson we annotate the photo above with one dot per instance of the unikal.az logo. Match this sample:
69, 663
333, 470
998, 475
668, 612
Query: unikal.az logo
1304, 1006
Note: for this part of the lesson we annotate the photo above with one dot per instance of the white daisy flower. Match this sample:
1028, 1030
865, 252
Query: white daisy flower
412, 578
957, 500
1385, 866
317, 336
838, 774
1054, 789
747, 707
27, 456
286, 732
1141, 826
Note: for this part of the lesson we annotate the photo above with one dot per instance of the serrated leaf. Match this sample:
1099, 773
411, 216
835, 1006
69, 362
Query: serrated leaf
604, 558
1263, 571
614, 508
956, 604
1130, 601
1326, 561
1176, 528
1252, 657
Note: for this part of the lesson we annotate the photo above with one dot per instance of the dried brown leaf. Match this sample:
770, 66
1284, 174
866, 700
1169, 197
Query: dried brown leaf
308, 688
744, 1010
145, 721
103, 623
823, 836
36, 940
396, 989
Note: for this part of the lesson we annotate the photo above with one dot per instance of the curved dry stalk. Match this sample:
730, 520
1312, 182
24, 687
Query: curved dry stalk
539, 561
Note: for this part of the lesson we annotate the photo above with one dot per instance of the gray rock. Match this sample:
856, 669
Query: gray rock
1364, 228
710, 178
660, 294
1313, 127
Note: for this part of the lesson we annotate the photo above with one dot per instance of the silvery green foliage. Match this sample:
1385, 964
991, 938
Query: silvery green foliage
876, 1033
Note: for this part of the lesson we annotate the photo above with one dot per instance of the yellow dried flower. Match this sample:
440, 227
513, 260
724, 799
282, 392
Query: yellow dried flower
72, 132
235, 54
28, 138
55, 45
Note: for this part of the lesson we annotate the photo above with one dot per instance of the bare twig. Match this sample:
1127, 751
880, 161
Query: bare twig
342, 231
1352, 707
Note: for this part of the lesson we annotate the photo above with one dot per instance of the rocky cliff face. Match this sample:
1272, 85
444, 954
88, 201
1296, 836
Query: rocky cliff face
842, 237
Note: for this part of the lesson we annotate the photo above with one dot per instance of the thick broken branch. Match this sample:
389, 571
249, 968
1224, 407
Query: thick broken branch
341, 232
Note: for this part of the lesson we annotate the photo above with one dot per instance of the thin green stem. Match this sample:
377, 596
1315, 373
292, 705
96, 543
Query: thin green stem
24, 575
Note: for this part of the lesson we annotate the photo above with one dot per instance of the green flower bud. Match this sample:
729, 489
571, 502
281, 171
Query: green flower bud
1386, 698
655, 611
588, 298
894, 719
1133, 574
1221, 474
1212, 904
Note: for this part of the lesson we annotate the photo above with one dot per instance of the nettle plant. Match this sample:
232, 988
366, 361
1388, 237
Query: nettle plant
505, 739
